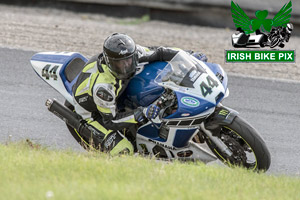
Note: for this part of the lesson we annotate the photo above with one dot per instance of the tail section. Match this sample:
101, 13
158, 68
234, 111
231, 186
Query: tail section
59, 69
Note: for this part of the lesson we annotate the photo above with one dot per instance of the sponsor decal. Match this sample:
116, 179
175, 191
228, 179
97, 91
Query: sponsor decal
110, 139
185, 114
194, 75
83, 99
162, 144
190, 101
224, 112
261, 32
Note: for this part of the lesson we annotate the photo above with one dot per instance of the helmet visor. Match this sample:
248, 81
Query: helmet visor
123, 69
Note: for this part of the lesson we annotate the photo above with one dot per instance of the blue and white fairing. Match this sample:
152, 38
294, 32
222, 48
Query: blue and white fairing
198, 86
51, 67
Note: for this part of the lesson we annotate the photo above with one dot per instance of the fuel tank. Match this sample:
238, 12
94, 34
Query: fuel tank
142, 90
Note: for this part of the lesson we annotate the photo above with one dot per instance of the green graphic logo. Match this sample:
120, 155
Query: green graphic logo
261, 32
262, 56
241, 20
190, 101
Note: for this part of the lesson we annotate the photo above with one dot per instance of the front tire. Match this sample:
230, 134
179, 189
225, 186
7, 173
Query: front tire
274, 42
248, 147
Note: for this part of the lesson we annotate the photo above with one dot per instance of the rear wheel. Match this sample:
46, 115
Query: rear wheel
263, 41
247, 146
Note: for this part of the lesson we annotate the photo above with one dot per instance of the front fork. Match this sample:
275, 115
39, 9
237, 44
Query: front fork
212, 126
216, 140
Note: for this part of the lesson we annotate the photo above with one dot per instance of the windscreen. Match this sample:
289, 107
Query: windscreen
183, 70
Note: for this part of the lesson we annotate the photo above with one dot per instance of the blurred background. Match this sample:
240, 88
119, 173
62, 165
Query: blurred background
82, 25
214, 13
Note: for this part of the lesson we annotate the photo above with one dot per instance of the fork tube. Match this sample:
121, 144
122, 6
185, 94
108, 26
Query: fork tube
217, 141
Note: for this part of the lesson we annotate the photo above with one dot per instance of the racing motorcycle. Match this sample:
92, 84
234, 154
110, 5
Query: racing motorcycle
279, 35
192, 125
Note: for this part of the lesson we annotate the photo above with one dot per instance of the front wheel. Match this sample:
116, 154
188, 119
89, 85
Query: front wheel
274, 42
247, 146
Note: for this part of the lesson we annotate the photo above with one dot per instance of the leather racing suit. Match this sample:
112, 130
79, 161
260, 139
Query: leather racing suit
96, 94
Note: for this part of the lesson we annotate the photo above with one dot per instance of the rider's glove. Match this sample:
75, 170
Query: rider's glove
200, 56
151, 111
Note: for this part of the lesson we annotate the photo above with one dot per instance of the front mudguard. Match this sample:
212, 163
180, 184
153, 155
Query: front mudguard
221, 117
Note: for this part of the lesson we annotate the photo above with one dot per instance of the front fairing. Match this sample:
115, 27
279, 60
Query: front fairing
188, 75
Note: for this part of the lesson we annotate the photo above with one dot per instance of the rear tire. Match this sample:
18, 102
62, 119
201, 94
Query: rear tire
263, 41
244, 141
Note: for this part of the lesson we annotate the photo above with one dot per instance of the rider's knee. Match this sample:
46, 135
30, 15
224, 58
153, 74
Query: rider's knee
115, 143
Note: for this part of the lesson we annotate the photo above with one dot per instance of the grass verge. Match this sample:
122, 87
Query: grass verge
28, 171
134, 21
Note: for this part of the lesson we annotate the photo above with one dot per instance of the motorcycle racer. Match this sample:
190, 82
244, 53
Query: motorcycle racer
189, 93
99, 86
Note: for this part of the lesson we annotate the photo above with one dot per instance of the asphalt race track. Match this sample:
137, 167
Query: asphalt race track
272, 107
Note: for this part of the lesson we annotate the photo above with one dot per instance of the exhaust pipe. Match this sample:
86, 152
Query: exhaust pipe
75, 121
69, 117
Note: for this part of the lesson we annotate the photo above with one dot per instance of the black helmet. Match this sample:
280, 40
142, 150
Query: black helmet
120, 55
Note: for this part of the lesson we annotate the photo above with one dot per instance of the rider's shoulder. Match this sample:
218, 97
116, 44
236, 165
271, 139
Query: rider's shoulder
91, 65
143, 51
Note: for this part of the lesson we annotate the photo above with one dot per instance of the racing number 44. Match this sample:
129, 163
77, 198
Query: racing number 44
50, 73
206, 88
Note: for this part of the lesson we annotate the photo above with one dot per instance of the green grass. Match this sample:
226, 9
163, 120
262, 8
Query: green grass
134, 21
33, 172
